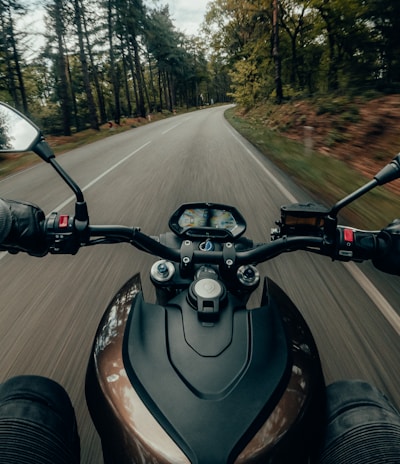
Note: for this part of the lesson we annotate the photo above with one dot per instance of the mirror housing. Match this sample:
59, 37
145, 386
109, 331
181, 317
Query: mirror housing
17, 133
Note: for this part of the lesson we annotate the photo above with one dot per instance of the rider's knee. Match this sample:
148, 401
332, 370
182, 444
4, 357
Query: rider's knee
362, 426
37, 422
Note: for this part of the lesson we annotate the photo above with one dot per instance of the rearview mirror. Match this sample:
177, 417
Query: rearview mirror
17, 133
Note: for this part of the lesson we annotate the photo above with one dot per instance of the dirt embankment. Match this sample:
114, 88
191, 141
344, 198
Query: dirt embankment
365, 134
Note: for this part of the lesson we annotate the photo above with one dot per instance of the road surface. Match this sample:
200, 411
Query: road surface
50, 307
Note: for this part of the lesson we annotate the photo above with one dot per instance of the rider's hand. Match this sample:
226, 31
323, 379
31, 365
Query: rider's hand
388, 256
22, 228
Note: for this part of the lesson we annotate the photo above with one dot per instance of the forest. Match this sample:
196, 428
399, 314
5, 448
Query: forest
105, 60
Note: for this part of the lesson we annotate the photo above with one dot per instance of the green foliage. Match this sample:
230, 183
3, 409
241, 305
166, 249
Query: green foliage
329, 106
48, 117
103, 59
336, 136
335, 45
109, 58
351, 115
252, 77
245, 83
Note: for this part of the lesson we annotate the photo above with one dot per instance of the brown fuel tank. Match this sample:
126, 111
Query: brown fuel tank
131, 434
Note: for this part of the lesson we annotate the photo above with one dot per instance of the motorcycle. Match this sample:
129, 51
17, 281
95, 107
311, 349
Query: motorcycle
198, 376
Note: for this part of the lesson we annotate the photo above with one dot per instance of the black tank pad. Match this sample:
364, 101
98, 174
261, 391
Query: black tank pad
211, 404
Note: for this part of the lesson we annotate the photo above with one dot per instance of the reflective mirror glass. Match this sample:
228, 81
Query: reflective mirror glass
16, 132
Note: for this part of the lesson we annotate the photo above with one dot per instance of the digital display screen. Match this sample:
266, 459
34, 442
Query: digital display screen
204, 217
207, 220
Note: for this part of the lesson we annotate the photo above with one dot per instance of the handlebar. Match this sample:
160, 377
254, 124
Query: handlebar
348, 244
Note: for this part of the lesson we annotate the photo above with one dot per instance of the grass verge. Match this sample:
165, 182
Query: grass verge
327, 179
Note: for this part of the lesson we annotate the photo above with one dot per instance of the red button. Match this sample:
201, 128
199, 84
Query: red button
63, 221
348, 235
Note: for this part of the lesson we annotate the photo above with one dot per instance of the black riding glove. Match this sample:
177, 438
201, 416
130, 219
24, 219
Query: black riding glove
22, 229
388, 256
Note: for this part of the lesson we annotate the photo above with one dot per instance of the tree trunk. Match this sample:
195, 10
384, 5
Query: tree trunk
126, 80
276, 54
333, 79
16, 60
100, 97
146, 91
160, 89
140, 84
113, 73
72, 93
79, 13
63, 90
169, 92
10, 84
153, 104
133, 74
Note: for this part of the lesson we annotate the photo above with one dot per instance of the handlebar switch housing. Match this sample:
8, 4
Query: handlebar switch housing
61, 234
344, 244
354, 245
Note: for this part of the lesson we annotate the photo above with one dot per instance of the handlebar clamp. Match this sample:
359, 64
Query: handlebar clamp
187, 251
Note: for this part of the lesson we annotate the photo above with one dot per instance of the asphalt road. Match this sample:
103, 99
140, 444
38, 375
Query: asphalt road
50, 307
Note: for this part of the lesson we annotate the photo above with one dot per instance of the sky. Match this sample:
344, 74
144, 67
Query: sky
187, 15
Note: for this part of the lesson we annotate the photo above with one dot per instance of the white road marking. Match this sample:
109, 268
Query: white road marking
375, 295
279, 185
174, 127
94, 181
91, 183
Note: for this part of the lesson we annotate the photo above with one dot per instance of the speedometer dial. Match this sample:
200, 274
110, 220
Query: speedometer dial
193, 218
222, 219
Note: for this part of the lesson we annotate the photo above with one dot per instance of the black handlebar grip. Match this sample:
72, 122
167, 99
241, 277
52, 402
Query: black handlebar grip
388, 257
22, 225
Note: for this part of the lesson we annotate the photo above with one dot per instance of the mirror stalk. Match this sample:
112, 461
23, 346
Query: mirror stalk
81, 212
353, 196
43, 149
71, 183
387, 174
